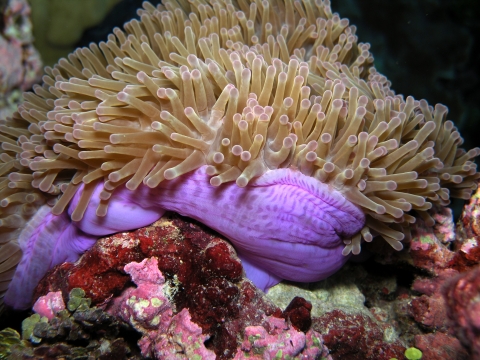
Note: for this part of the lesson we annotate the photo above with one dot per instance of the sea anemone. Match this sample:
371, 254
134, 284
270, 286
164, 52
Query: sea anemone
272, 109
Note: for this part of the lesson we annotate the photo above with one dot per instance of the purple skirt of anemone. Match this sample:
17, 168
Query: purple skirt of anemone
284, 225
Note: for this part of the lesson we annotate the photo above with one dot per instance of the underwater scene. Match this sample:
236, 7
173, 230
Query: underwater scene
239, 179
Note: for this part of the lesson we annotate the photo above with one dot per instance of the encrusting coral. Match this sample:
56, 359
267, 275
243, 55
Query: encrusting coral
265, 120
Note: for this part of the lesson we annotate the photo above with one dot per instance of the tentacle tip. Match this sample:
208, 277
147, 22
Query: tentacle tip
380, 210
101, 212
170, 174
132, 186
397, 245
122, 96
347, 250
215, 181
76, 217
242, 181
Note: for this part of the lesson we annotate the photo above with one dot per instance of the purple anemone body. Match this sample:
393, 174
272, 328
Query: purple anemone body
284, 225
47, 240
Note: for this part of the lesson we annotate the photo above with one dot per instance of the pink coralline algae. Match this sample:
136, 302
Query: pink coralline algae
149, 311
49, 305
21, 66
278, 340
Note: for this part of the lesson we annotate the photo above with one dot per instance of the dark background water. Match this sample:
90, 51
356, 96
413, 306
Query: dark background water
429, 49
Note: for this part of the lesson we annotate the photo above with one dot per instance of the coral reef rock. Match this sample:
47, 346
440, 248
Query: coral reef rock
21, 66
200, 287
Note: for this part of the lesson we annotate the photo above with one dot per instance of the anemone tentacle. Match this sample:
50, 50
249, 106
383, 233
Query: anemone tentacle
243, 88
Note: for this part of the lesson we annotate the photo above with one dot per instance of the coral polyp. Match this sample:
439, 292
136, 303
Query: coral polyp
264, 120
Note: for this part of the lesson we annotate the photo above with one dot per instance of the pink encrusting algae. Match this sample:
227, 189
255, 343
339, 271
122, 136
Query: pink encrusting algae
148, 309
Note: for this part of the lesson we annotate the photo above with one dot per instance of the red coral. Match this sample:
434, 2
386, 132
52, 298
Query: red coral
298, 313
